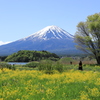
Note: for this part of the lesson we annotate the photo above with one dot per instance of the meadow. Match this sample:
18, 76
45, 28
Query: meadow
71, 84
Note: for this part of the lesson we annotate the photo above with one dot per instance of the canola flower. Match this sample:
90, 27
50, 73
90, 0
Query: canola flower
36, 85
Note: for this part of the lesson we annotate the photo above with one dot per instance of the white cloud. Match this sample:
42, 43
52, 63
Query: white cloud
2, 43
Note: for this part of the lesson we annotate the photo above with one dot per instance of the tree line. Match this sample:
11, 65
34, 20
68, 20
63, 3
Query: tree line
2, 58
27, 55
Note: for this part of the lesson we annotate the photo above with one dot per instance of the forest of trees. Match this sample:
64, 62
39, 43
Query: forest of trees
2, 58
27, 55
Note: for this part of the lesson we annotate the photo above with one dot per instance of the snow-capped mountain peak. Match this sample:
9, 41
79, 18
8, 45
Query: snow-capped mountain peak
50, 32
51, 38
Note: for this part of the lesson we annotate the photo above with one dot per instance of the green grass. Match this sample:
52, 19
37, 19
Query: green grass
26, 83
36, 85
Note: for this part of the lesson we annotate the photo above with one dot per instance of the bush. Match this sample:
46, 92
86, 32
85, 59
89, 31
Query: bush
33, 64
59, 67
53, 59
5, 65
47, 66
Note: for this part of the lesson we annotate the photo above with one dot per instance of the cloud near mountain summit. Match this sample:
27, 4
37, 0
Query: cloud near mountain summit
2, 43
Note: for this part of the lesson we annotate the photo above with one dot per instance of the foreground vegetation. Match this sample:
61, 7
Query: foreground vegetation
50, 81
36, 85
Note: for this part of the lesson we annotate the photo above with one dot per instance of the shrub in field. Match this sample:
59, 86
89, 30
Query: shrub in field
5, 65
47, 66
58, 66
53, 59
66, 60
33, 64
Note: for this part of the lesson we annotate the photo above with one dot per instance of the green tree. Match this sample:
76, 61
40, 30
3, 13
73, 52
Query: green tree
88, 36
27, 55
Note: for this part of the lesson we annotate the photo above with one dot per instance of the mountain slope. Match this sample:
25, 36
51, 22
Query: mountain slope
51, 38
49, 32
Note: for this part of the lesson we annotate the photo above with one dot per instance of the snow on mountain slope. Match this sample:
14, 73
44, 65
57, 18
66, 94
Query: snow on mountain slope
50, 32
3, 43
51, 38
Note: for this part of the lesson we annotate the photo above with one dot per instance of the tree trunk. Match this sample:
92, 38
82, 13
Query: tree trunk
98, 60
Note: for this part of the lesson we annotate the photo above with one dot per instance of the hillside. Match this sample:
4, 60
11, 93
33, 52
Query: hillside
26, 56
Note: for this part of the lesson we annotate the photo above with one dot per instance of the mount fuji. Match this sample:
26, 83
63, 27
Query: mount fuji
51, 38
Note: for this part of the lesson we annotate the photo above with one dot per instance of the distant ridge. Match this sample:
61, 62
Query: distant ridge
51, 38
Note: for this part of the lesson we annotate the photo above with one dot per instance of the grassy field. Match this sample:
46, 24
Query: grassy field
26, 83
71, 84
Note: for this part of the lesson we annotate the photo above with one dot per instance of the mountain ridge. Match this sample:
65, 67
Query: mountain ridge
50, 38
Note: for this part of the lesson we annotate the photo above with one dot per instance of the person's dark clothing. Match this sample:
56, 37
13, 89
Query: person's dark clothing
71, 63
80, 65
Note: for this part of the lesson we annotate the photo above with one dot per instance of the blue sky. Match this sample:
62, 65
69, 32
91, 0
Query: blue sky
21, 18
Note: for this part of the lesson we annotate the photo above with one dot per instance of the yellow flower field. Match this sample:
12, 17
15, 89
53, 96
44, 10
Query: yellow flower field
36, 85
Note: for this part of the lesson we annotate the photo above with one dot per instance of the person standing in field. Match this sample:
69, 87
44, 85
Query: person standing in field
71, 62
80, 65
